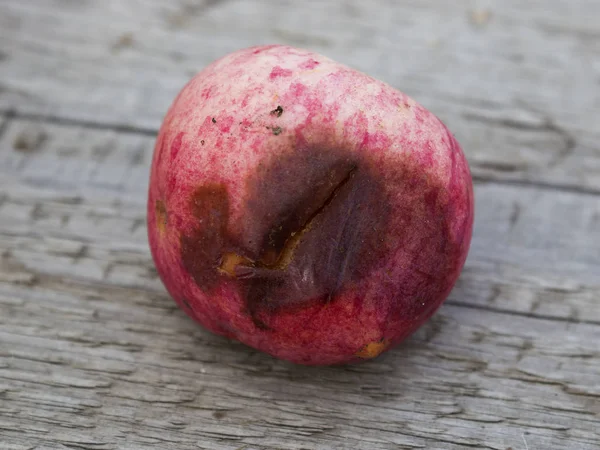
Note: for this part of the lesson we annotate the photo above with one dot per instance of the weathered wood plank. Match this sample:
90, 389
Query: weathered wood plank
517, 83
74, 206
78, 360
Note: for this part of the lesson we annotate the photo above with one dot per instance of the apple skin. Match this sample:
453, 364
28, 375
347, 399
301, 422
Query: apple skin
306, 209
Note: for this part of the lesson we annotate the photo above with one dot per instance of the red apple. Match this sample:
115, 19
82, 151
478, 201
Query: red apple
306, 209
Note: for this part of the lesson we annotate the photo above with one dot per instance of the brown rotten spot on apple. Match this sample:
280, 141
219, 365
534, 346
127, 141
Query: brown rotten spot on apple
372, 349
315, 221
160, 211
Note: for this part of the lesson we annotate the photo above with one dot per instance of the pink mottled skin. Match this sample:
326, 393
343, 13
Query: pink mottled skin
306, 209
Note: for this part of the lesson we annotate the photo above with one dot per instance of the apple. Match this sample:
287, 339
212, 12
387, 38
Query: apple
304, 208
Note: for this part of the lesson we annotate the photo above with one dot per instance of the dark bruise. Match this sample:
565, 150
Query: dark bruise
161, 215
277, 111
314, 221
201, 252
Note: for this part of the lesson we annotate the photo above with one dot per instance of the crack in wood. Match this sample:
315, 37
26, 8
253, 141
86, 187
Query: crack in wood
569, 188
79, 123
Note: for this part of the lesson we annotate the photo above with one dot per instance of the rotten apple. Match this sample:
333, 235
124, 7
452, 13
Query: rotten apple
304, 208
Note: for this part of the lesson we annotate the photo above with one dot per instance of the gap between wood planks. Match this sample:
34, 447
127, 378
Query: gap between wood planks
11, 114
529, 315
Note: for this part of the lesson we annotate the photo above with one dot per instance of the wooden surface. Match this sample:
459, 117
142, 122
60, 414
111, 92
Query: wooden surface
94, 354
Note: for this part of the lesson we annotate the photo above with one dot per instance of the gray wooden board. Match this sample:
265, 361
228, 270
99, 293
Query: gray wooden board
93, 353
517, 82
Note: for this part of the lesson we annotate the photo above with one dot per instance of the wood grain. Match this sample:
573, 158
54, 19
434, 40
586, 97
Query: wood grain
519, 84
94, 354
